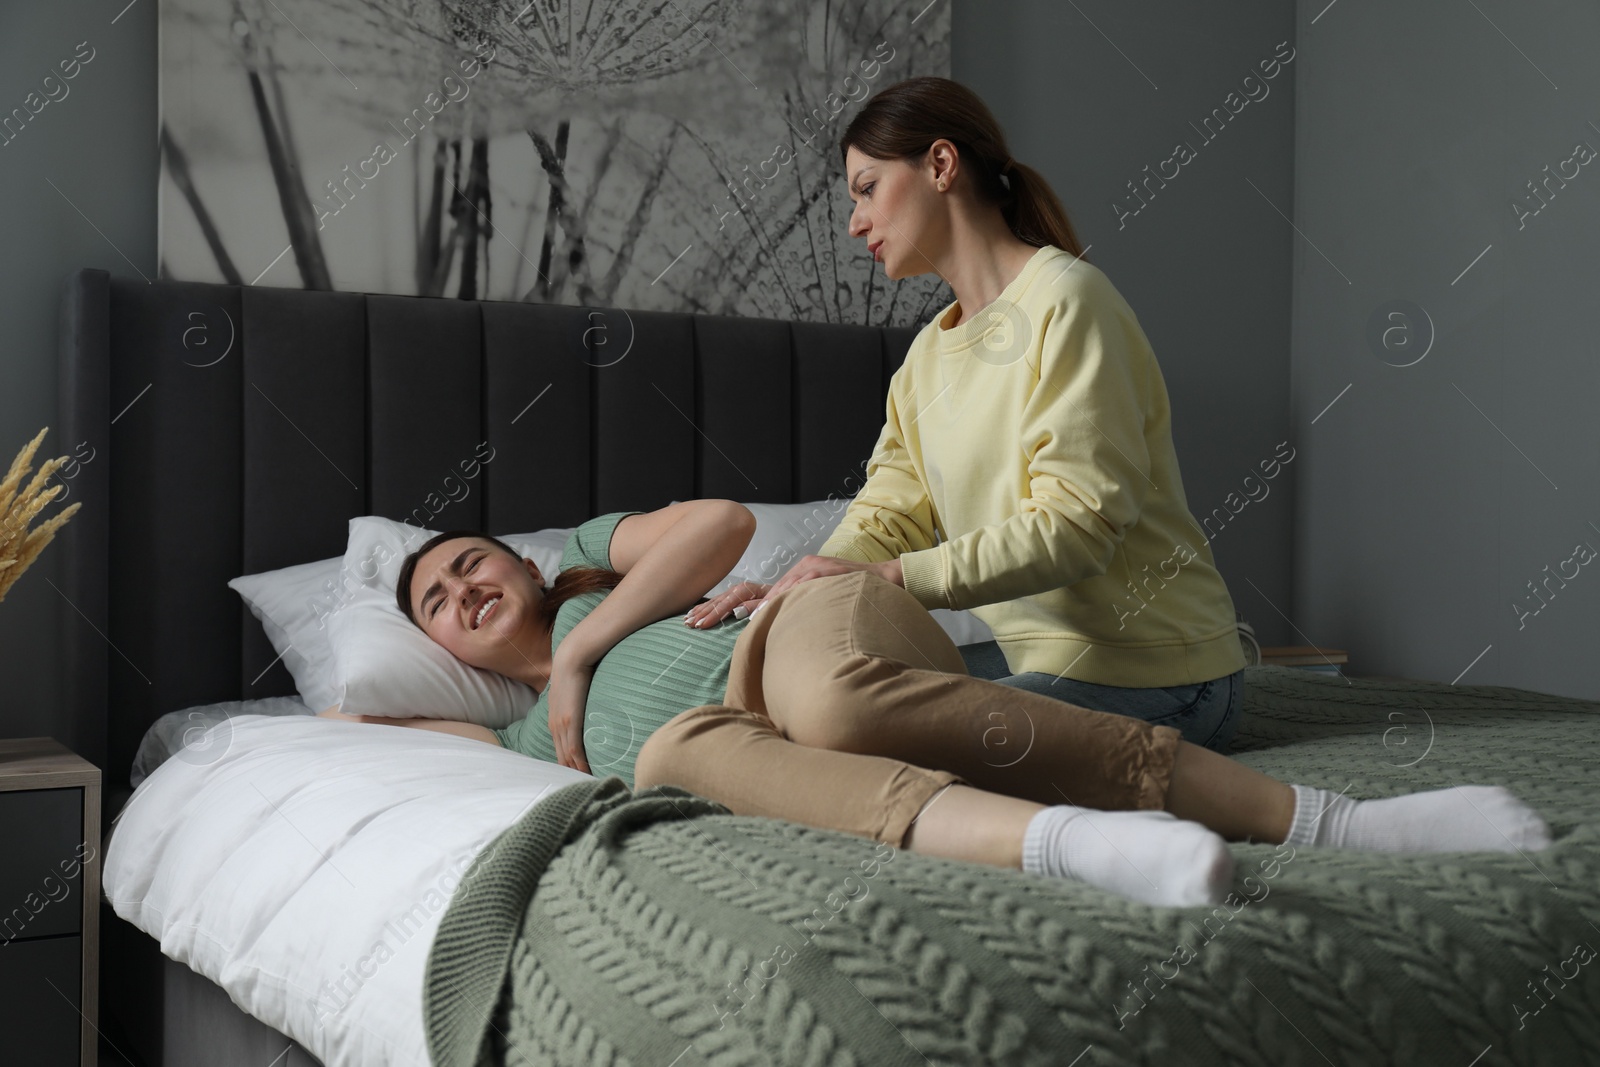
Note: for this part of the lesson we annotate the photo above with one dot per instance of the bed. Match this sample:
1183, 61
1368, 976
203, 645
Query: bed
242, 428
237, 429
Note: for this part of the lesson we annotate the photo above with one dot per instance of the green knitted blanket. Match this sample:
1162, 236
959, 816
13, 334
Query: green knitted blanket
608, 927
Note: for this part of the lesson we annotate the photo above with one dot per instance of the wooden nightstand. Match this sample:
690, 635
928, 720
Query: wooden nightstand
49, 903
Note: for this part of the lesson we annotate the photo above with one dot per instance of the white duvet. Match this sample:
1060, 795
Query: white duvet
303, 865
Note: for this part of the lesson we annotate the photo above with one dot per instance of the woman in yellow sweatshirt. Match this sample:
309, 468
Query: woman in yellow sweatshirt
1026, 468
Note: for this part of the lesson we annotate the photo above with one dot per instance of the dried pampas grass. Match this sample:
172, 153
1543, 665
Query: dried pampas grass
19, 546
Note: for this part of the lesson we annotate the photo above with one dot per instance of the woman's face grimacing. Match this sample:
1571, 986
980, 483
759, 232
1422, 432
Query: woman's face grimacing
472, 597
900, 210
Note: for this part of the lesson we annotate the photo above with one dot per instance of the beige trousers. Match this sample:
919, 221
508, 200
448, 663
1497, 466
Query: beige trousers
848, 708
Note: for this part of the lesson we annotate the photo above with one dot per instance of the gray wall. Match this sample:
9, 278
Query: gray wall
1431, 495
98, 146
1093, 93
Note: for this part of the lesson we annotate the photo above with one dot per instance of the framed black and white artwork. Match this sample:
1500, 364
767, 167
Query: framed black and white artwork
659, 154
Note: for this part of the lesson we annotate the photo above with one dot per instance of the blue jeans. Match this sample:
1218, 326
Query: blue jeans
1207, 714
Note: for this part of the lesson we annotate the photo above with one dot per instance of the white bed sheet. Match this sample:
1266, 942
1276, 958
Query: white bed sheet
304, 864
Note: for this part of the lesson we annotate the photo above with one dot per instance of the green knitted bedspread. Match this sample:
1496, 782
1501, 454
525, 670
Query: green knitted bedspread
656, 928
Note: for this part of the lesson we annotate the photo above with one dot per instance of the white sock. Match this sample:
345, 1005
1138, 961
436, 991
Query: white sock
1463, 818
1149, 856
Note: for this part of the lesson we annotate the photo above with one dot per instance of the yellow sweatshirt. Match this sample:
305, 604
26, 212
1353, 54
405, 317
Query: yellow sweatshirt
1026, 471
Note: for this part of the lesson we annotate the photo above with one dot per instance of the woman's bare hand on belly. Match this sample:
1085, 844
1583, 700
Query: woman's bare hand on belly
744, 595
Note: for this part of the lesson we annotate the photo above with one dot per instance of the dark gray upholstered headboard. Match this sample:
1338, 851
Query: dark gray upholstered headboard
236, 429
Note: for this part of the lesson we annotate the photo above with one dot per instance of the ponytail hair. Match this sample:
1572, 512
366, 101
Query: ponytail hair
904, 119
574, 581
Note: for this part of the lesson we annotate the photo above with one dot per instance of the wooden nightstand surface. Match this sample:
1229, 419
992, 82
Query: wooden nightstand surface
28, 763
43, 763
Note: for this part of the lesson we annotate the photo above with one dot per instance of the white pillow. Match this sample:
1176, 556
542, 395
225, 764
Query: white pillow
384, 665
964, 627
294, 604
785, 532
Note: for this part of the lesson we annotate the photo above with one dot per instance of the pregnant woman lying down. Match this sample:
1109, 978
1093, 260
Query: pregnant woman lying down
842, 704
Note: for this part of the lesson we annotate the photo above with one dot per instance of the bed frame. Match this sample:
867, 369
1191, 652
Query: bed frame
224, 430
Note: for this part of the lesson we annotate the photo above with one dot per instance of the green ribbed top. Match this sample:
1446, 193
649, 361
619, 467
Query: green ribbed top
648, 677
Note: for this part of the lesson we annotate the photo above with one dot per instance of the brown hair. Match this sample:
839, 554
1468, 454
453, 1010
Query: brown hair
904, 119
574, 581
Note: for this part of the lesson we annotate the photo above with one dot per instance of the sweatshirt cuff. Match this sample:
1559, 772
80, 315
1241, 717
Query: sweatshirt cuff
923, 572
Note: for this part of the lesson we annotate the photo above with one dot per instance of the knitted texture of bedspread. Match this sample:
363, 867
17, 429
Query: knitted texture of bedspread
608, 927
